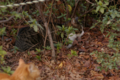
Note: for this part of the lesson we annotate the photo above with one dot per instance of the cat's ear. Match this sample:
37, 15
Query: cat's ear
21, 61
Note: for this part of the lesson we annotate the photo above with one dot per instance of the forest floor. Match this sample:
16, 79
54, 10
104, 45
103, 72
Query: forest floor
82, 66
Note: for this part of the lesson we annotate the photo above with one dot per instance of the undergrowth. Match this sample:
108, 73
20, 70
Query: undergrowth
105, 12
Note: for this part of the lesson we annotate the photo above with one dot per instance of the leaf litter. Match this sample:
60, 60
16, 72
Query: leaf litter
80, 67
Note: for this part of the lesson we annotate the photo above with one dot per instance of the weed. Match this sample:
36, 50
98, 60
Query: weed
110, 21
7, 70
15, 49
73, 53
38, 57
48, 48
2, 54
107, 61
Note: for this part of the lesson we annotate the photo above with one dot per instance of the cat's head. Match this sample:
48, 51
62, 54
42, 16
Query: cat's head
26, 71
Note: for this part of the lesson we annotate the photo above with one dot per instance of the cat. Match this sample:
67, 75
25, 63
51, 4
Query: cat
28, 39
4, 76
23, 72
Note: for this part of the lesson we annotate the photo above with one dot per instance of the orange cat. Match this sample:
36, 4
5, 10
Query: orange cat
23, 72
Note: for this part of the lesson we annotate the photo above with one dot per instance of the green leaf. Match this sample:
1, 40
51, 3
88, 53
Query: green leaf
97, 9
116, 13
113, 16
59, 27
2, 30
38, 50
100, 3
39, 26
48, 47
2, 52
92, 53
35, 28
62, 35
106, 2
102, 10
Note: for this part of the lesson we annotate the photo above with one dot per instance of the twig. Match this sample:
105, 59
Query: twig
75, 9
87, 11
3, 21
48, 31
89, 2
48, 23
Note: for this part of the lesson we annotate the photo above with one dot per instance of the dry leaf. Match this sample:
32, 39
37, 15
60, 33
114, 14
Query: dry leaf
87, 63
96, 74
60, 65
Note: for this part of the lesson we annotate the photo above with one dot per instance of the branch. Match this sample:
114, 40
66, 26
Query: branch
87, 12
48, 30
89, 2
76, 4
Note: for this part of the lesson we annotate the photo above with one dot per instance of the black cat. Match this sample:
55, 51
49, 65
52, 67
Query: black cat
27, 38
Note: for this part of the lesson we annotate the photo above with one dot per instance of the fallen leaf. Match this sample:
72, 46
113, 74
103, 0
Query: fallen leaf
60, 65
96, 74
87, 64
